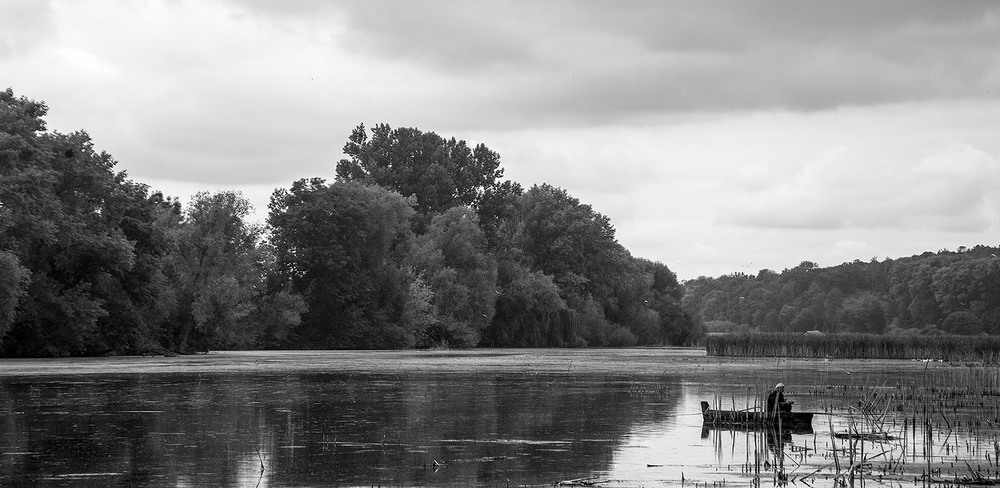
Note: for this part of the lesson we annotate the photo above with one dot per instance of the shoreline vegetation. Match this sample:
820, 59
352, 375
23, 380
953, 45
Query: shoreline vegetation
690, 362
419, 243
641, 361
944, 292
985, 349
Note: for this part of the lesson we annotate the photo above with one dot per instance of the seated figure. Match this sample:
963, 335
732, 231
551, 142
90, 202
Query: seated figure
776, 400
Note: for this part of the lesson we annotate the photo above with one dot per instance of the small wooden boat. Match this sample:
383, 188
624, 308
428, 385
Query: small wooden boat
793, 421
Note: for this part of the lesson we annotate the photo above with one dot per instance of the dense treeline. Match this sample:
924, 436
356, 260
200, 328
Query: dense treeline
418, 243
952, 292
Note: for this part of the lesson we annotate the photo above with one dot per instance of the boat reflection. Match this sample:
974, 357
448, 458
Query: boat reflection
798, 422
772, 431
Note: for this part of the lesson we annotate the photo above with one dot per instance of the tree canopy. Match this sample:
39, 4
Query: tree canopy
954, 292
418, 243
341, 246
93, 263
437, 173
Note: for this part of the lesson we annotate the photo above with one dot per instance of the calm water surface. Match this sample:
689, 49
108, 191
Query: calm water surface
425, 429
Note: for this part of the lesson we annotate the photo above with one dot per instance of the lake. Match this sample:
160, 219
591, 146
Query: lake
485, 418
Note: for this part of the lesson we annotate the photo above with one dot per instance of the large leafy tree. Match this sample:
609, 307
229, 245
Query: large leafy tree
342, 247
567, 239
665, 294
498, 209
962, 323
863, 312
529, 311
452, 259
437, 173
87, 235
564, 280
561, 237
218, 271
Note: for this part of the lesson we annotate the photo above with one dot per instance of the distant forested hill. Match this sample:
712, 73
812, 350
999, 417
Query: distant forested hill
954, 292
418, 243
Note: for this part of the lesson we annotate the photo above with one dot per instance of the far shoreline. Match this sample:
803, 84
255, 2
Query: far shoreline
643, 361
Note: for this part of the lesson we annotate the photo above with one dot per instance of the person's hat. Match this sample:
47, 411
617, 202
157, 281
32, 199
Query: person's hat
779, 386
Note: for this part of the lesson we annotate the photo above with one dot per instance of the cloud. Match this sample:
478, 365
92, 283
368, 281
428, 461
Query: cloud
768, 131
23, 25
950, 189
190, 92
585, 63
206, 89
777, 188
844, 250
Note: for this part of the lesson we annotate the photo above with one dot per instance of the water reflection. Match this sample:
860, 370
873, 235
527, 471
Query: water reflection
894, 446
485, 429
321, 429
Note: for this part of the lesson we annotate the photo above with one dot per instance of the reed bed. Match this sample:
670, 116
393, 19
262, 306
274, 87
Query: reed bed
936, 429
984, 349
940, 429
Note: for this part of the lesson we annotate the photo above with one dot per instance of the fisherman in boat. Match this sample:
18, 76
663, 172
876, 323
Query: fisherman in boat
776, 400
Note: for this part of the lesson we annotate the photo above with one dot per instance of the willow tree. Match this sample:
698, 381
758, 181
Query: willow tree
452, 259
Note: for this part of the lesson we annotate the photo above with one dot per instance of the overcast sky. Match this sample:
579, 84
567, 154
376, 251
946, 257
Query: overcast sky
719, 137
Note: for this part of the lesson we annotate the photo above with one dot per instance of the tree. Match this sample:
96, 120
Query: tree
14, 280
563, 238
566, 239
438, 173
963, 323
498, 208
451, 258
610, 297
140, 300
218, 270
665, 295
342, 248
916, 292
528, 311
923, 307
968, 285
863, 312
86, 234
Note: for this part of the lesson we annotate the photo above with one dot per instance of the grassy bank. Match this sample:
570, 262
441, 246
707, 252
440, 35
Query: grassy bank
855, 346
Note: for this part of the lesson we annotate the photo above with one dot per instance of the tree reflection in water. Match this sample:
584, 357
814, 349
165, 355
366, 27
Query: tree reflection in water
619, 419
321, 429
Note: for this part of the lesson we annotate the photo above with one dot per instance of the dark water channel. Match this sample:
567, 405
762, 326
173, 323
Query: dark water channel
423, 429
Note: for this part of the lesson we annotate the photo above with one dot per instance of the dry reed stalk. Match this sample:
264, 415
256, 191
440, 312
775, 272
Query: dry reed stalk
852, 345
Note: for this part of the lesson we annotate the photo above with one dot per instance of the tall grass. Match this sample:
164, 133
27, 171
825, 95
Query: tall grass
863, 346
